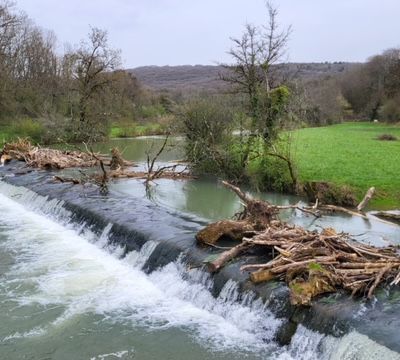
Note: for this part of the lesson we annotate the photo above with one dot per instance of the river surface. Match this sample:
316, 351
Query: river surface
65, 293
209, 200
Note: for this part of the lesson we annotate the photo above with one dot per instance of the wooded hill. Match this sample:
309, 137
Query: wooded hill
206, 77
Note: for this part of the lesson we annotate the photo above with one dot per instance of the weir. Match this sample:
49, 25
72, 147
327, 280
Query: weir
160, 241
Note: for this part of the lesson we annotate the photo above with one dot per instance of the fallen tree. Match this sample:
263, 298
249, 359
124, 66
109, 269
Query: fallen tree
311, 262
389, 216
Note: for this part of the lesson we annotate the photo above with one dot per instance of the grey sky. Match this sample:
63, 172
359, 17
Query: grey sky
173, 32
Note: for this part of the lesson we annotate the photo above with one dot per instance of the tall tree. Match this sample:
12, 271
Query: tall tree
252, 72
92, 65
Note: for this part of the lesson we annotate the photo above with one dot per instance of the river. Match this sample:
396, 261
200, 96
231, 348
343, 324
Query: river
209, 200
67, 293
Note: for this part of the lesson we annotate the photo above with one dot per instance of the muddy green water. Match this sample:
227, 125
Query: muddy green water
66, 294
209, 200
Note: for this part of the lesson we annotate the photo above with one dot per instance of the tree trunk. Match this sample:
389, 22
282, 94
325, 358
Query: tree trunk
226, 256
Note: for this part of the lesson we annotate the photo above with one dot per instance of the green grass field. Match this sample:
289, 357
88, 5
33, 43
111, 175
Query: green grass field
5, 135
350, 154
118, 131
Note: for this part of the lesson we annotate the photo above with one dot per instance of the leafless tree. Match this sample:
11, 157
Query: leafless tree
92, 64
8, 22
251, 73
70, 96
369, 86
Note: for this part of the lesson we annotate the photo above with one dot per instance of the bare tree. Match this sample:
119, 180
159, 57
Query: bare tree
8, 22
254, 55
72, 96
8, 31
92, 64
369, 86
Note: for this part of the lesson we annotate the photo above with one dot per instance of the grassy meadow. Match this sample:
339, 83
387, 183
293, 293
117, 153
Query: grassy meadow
121, 131
350, 154
6, 134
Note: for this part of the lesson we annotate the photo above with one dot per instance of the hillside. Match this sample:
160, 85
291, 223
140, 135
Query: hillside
180, 78
205, 77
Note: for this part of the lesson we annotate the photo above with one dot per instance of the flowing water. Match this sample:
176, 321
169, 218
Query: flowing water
66, 293
209, 200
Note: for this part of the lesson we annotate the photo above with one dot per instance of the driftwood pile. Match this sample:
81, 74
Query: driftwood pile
311, 262
113, 167
45, 158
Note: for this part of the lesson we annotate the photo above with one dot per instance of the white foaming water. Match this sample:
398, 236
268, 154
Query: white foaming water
58, 263
116, 355
68, 270
138, 258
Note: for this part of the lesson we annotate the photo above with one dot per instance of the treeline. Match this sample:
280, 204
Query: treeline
366, 92
72, 96
373, 89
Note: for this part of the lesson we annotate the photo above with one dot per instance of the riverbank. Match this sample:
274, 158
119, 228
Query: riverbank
33, 130
343, 154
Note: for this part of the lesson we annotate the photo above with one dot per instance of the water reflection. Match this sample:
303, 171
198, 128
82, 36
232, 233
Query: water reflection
135, 149
208, 199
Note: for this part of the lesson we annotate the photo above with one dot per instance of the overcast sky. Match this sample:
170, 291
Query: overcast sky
176, 32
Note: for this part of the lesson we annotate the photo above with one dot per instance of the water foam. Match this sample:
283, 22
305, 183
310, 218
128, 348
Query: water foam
68, 270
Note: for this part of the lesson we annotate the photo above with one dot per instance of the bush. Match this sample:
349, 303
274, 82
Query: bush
211, 148
390, 111
207, 127
123, 131
270, 174
387, 137
328, 193
54, 128
151, 111
27, 128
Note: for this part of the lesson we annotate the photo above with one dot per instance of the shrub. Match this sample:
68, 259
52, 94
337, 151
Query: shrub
387, 137
123, 132
270, 174
27, 128
390, 111
54, 128
151, 111
328, 193
207, 127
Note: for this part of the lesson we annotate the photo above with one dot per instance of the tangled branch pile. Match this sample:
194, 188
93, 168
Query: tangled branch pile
118, 167
46, 158
311, 262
